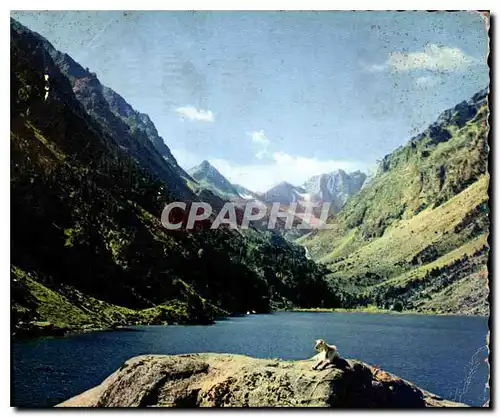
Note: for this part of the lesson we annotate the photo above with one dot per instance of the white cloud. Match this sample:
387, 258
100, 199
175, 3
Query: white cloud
432, 58
192, 113
258, 137
261, 142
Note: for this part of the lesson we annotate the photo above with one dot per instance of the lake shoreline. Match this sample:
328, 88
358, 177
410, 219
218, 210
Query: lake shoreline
55, 331
36, 331
372, 310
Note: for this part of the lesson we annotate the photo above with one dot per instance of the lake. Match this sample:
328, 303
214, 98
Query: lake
434, 352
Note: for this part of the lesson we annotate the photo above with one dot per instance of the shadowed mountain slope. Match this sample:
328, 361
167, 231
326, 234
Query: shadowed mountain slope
87, 245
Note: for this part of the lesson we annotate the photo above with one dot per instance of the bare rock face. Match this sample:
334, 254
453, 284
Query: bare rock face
224, 380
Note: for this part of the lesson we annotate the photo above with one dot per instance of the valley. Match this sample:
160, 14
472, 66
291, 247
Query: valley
250, 208
90, 176
89, 180
416, 237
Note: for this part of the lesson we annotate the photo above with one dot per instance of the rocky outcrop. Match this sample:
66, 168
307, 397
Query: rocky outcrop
224, 380
335, 187
284, 193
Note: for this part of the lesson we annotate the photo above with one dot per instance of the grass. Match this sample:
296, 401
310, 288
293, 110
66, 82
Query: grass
342, 246
413, 184
468, 294
51, 306
417, 228
421, 272
52, 147
407, 238
68, 308
372, 309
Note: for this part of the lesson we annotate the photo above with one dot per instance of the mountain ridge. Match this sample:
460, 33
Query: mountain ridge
209, 177
88, 185
132, 131
334, 187
87, 247
417, 232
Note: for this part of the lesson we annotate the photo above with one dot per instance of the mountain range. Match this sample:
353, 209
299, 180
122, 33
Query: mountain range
416, 235
335, 187
90, 177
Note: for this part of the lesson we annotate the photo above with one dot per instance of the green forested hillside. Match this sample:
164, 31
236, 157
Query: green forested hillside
87, 246
416, 236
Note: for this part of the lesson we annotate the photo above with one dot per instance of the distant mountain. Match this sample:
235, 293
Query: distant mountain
335, 187
416, 236
284, 193
209, 177
245, 193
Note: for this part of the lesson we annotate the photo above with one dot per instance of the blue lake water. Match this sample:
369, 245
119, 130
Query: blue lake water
434, 352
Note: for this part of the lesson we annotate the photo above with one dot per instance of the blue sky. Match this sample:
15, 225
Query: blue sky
273, 96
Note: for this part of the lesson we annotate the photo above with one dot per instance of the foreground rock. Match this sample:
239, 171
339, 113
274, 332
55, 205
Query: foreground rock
224, 380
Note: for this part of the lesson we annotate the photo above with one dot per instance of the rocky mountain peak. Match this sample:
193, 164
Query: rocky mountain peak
335, 187
205, 165
205, 168
208, 176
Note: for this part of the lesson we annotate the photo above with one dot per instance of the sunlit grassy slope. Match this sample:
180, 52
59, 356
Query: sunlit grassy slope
416, 236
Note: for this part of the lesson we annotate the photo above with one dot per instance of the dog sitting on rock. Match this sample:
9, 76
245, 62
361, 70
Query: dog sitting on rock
328, 355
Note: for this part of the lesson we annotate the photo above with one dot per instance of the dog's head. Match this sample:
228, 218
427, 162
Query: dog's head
320, 343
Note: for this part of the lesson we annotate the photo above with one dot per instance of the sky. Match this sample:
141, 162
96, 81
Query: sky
279, 96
